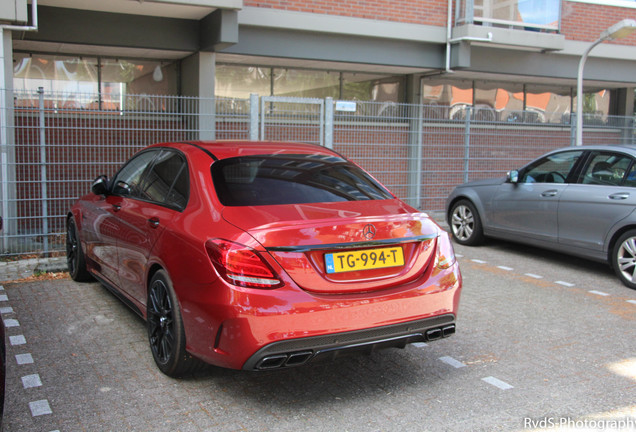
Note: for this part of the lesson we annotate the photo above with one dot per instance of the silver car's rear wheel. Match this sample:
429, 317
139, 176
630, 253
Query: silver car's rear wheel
624, 258
465, 223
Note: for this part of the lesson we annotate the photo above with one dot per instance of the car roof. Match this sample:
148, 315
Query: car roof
224, 149
627, 148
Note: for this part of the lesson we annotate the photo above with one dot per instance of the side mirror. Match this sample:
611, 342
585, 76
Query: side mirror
100, 185
512, 176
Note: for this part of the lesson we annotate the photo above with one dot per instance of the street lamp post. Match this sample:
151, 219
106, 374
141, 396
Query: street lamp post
617, 31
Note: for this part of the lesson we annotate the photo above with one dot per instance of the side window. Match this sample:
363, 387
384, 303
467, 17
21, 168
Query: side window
608, 169
554, 168
630, 178
127, 182
167, 180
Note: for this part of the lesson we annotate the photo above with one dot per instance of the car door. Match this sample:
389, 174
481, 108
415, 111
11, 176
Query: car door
100, 232
603, 195
162, 194
529, 208
103, 226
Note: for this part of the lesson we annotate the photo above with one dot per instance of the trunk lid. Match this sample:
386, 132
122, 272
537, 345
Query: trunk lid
343, 247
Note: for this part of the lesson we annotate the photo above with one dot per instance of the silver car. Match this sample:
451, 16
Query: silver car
576, 200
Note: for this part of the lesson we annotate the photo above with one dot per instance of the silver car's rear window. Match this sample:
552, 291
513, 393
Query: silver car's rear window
292, 179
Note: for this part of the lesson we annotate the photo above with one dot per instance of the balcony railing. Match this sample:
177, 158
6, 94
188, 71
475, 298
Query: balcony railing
537, 15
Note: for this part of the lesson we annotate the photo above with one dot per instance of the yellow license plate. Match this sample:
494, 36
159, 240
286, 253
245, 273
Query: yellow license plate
364, 259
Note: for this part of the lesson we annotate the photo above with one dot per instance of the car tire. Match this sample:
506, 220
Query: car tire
166, 334
465, 224
624, 258
75, 259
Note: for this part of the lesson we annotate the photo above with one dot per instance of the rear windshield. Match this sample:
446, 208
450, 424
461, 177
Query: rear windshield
292, 179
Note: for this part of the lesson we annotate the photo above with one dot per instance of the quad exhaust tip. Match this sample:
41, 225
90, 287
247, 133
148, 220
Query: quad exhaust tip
441, 332
298, 358
284, 360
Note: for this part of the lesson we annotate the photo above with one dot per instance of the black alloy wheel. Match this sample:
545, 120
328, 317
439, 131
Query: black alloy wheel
165, 328
75, 258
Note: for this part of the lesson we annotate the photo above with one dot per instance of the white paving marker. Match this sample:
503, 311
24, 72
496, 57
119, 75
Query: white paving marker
451, 361
478, 261
3, 297
11, 323
17, 340
601, 293
497, 383
567, 284
40, 407
6, 310
23, 359
31, 381
419, 344
505, 268
534, 276
631, 301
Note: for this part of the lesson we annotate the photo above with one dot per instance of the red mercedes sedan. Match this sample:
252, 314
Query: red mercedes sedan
262, 255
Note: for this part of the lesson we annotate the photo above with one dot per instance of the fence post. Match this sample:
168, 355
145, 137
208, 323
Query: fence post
573, 124
43, 175
467, 143
329, 118
4, 168
415, 141
262, 119
254, 117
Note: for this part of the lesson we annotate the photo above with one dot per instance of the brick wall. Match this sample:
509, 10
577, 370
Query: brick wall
428, 12
585, 22
579, 21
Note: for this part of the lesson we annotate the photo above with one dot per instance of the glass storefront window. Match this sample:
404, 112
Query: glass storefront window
139, 77
55, 73
368, 87
241, 81
74, 82
305, 83
596, 107
496, 101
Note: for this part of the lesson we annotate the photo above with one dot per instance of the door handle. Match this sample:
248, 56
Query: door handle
549, 193
619, 196
116, 207
153, 222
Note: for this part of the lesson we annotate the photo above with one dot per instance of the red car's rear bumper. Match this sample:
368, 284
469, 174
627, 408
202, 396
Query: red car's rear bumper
263, 329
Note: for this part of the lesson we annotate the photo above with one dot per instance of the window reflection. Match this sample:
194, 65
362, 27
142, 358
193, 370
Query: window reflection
505, 102
74, 82
233, 81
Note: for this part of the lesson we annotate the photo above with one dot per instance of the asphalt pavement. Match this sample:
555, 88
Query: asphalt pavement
542, 340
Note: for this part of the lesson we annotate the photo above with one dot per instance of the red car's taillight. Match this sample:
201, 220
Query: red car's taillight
445, 253
241, 265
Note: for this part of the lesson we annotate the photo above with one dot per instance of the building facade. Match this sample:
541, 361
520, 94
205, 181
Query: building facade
498, 56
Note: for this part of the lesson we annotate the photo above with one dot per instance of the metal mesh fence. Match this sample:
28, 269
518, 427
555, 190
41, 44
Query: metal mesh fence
54, 145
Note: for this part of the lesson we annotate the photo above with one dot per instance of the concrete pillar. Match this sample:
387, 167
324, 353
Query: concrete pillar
622, 104
197, 81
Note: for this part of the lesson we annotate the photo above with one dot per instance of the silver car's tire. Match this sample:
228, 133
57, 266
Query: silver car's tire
465, 224
624, 258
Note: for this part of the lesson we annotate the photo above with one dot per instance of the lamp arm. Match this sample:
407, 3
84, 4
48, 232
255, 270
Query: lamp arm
579, 92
